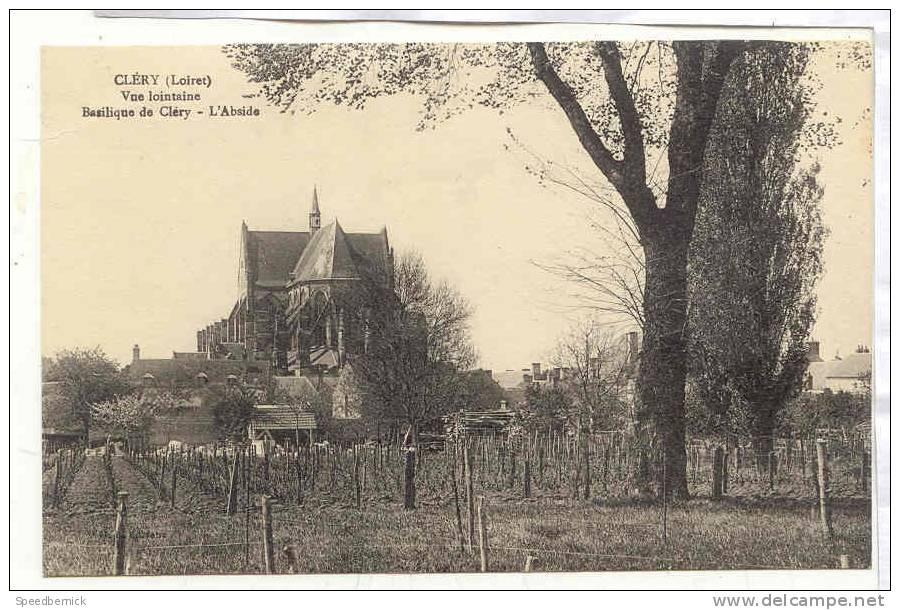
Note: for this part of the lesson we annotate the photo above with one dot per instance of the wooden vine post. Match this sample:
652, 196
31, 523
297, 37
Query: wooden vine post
482, 535
268, 543
120, 533
822, 478
231, 506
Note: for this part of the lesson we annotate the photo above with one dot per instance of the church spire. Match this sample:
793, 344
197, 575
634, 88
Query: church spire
315, 217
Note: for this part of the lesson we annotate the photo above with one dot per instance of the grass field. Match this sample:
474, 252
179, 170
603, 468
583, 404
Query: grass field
331, 535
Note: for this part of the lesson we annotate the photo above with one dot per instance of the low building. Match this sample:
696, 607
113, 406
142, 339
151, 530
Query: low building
852, 373
281, 425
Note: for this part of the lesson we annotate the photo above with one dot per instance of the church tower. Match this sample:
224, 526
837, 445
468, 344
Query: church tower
315, 217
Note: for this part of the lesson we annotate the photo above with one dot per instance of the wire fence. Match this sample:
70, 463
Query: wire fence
522, 475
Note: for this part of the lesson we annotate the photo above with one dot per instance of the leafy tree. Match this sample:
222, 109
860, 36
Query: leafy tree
134, 414
545, 408
750, 318
233, 407
86, 377
478, 390
812, 411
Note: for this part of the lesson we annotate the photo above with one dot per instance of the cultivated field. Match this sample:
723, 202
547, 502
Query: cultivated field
338, 510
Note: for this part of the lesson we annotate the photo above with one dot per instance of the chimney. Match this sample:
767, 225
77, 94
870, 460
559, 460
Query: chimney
135, 353
812, 352
536, 370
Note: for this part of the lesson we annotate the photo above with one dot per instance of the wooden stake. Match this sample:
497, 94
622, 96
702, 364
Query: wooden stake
232, 486
482, 535
459, 528
824, 504
718, 454
174, 475
120, 533
470, 499
268, 545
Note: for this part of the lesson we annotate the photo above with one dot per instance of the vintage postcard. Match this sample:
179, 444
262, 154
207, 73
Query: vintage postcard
563, 304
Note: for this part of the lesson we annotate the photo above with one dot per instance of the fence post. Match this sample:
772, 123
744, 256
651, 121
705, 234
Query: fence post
356, 482
268, 546
174, 476
864, 471
822, 472
718, 454
232, 486
526, 473
299, 469
482, 535
470, 499
57, 475
459, 529
120, 534
409, 477
529, 559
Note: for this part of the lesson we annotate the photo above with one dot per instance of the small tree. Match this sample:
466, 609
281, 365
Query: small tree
86, 377
419, 345
545, 408
233, 408
132, 415
595, 363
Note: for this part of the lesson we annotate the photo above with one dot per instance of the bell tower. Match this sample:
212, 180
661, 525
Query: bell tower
315, 217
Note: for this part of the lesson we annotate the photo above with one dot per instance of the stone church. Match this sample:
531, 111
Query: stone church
300, 308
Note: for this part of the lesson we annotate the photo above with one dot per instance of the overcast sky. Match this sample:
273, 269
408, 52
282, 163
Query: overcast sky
141, 220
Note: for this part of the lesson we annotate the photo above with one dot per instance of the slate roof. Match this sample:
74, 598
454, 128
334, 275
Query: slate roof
334, 254
281, 417
185, 370
275, 253
295, 386
853, 366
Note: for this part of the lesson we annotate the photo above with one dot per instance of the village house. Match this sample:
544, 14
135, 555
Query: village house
852, 373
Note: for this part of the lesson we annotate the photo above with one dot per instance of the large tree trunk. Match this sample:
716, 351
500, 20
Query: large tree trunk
663, 368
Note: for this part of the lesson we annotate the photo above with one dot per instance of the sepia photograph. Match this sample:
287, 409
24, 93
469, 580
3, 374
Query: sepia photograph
570, 305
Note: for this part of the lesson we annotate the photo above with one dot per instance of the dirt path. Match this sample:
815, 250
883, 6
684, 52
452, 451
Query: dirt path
89, 492
142, 496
